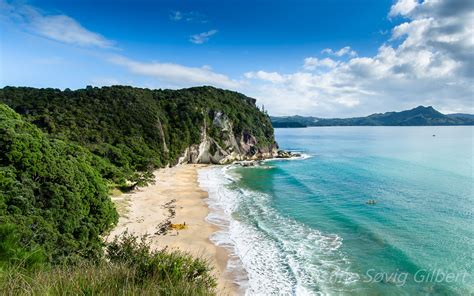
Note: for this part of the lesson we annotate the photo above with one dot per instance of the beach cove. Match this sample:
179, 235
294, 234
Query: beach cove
175, 197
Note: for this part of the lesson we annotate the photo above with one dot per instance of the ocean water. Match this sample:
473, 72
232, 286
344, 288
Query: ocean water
303, 226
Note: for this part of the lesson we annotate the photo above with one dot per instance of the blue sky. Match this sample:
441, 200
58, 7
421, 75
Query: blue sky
323, 58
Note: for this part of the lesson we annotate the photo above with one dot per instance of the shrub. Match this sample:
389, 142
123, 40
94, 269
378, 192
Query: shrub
50, 191
173, 266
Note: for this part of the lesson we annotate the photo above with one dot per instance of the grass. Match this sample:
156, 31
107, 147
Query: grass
122, 204
115, 192
94, 279
129, 268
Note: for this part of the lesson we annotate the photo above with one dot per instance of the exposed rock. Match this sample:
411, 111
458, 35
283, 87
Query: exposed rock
162, 135
248, 163
227, 148
287, 154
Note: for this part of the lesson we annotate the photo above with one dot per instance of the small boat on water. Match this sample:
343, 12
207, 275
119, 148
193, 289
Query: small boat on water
371, 202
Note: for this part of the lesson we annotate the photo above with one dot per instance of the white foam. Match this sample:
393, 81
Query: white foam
270, 254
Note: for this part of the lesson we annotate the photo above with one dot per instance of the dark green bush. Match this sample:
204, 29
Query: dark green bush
14, 253
51, 192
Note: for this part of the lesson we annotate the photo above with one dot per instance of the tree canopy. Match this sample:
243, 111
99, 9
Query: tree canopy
134, 130
51, 196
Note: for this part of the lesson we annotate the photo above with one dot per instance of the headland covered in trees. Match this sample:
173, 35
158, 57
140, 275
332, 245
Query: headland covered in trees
419, 116
63, 152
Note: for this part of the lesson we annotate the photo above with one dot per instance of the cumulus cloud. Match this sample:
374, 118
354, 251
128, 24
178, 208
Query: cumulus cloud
403, 7
427, 60
56, 27
202, 37
341, 52
273, 77
176, 75
445, 28
311, 63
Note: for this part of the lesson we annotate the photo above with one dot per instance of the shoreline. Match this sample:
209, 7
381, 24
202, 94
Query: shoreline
178, 198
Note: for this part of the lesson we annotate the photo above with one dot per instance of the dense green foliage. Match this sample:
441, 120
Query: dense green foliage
419, 116
58, 159
52, 199
136, 129
129, 268
172, 266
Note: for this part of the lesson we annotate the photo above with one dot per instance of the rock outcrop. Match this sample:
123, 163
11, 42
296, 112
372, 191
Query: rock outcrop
228, 146
286, 154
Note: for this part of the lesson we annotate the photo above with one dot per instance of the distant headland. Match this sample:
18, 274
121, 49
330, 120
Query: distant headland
419, 116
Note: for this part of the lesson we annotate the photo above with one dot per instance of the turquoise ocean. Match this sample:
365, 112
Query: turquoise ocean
303, 226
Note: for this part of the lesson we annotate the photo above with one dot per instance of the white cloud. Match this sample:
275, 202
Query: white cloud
202, 37
176, 75
403, 7
176, 16
57, 27
429, 60
311, 63
341, 52
190, 17
105, 81
273, 77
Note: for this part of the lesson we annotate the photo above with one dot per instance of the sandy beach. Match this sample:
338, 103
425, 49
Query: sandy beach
175, 197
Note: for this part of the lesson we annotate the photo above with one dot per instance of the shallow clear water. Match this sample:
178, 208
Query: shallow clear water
303, 226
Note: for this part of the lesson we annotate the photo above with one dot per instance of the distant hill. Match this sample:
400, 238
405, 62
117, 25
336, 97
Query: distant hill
419, 116
461, 115
293, 121
292, 124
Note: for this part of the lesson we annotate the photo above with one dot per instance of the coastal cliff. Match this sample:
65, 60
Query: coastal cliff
134, 130
227, 147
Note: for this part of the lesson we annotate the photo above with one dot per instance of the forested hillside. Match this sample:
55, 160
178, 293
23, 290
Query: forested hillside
134, 130
419, 116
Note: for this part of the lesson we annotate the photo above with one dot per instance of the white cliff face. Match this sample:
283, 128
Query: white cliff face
229, 150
